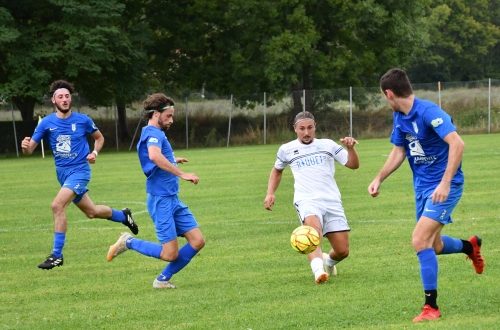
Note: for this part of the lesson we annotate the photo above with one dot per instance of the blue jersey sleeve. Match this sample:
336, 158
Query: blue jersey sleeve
440, 121
397, 136
39, 133
90, 126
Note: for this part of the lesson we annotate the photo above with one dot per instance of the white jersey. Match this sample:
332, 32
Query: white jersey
313, 168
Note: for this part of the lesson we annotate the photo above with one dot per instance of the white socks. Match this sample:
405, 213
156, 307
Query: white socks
329, 261
317, 266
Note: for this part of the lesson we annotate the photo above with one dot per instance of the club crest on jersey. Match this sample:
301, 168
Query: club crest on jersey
295, 152
436, 122
73, 127
415, 127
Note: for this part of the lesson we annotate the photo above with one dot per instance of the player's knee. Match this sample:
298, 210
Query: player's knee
342, 253
90, 214
198, 243
167, 255
57, 207
418, 243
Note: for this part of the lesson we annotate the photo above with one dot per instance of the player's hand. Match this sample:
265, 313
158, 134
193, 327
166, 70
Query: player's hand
25, 143
190, 177
91, 158
269, 202
373, 188
348, 142
441, 193
180, 160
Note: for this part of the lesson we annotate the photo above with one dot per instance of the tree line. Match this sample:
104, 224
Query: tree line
119, 50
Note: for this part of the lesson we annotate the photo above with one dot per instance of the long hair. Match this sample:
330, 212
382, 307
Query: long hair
156, 101
397, 81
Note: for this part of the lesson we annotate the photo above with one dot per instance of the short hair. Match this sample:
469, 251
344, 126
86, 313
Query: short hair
156, 101
58, 84
397, 81
303, 115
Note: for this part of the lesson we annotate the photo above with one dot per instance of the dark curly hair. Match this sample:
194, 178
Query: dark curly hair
58, 84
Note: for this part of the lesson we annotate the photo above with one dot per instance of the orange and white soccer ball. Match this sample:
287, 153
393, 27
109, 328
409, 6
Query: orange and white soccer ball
304, 239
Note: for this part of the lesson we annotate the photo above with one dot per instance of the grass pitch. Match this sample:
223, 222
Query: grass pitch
247, 276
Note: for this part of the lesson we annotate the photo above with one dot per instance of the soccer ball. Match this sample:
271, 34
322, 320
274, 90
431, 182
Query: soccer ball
305, 239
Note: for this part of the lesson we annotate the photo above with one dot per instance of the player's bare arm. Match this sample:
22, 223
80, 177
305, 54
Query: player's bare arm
272, 185
455, 154
28, 146
395, 159
352, 154
162, 162
98, 143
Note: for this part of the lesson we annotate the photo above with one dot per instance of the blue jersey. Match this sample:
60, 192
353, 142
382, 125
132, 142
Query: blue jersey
159, 182
67, 138
421, 133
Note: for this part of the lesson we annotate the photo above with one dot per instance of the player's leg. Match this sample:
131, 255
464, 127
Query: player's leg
59, 204
340, 250
316, 257
451, 245
91, 210
424, 235
186, 226
336, 230
161, 212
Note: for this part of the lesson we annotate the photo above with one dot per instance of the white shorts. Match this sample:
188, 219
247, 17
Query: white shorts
329, 213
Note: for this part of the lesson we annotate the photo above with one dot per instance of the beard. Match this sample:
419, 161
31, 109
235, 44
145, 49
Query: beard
163, 126
64, 110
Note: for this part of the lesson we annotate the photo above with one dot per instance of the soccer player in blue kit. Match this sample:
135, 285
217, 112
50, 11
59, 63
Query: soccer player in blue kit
171, 217
67, 133
425, 135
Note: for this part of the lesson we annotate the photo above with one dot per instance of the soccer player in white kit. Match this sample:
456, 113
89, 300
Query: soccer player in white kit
317, 197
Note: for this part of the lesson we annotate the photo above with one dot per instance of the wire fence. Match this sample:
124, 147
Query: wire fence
353, 111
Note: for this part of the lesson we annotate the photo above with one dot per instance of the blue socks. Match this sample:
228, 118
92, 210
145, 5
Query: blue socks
146, 248
186, 253
59, 240
117, 216
428, 268
451, 245
150, 249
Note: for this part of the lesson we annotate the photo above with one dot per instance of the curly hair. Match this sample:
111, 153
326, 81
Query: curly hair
58, 84
156, 101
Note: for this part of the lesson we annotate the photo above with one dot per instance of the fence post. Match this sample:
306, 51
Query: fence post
14, 124
230, 113
116, 125
135, 133
350, 110
439, 93
265, 121
304, 104
489, 105
187, 131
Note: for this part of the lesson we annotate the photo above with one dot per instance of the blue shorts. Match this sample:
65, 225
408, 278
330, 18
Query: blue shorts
76, 179
170, 216
441, 212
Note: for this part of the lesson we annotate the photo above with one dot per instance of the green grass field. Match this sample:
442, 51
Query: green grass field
247, 276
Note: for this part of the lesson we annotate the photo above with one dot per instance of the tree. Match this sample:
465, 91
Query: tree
126, 80
465, 42
79, 41
239, 46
